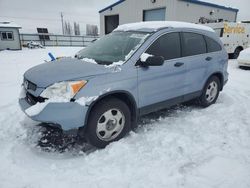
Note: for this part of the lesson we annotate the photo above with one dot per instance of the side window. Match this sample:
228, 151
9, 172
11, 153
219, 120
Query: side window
7, 36
4, 36
10, 35
212, 45
167, 46
193, 44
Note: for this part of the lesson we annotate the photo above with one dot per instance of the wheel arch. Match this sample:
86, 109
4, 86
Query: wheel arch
239, 47
124, 96
221, 78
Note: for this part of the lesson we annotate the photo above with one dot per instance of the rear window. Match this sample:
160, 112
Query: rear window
212, 45
193, 44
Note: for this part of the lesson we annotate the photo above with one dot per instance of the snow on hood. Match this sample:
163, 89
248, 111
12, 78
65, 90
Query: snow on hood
89, 60
65, 69
116, 66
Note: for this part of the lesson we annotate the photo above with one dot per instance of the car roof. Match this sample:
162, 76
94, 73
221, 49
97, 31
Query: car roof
154, 26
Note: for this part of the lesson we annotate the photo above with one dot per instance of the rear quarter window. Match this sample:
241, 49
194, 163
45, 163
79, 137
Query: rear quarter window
193, 44
212, 45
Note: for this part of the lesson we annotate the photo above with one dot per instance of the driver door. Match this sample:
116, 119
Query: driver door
159, 86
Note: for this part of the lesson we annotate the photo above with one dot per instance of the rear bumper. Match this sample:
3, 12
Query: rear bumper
244, 63
66, 115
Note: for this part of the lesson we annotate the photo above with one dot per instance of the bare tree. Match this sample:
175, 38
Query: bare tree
76, 29
91, 30
67, 28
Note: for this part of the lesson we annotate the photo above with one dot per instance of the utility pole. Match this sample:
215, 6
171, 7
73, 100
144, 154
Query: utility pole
62, 23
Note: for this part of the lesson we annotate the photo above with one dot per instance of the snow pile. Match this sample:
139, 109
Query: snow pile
119, 63
86, 100
144, 57
187, 147
116, 66
89, 60
155, 25
38, 107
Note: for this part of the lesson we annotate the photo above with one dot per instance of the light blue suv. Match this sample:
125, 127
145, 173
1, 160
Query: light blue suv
137, 69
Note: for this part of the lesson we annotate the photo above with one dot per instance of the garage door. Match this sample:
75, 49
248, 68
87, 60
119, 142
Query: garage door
111, 23
154, 15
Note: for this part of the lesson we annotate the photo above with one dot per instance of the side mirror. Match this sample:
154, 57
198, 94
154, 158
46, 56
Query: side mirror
151, 61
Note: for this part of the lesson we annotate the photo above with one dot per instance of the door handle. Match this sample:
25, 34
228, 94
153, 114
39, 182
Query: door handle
178, 64
209, 58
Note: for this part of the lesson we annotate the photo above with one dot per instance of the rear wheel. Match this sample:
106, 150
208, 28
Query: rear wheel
110, 120
237, 52
210, 92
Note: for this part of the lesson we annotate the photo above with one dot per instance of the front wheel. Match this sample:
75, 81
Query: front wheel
210, 92
110, 120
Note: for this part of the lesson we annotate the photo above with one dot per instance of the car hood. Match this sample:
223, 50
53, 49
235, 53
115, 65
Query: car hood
65, 69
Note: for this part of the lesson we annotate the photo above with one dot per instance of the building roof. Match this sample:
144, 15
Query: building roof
8, 24
111, 6
153, 26
211, 5
190, 1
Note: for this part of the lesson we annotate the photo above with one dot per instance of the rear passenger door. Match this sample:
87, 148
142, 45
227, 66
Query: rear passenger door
156, 84
194, 52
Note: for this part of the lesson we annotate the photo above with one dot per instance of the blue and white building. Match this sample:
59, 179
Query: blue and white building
195, 11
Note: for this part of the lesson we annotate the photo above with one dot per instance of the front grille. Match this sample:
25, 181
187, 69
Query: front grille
32, 100
29, 85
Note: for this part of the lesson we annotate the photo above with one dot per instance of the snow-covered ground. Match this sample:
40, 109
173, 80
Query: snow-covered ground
184, 146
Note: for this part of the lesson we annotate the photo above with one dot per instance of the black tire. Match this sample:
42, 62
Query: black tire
203, 99
93, 136
237, 53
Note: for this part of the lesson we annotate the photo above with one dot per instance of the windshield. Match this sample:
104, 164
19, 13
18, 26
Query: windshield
115, 47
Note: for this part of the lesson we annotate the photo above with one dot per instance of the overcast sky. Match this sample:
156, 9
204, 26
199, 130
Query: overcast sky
31, 14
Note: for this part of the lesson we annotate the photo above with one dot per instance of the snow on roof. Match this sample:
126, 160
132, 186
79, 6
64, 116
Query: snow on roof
156, 25
9, 24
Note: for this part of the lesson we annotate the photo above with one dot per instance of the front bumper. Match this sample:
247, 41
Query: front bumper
66, 115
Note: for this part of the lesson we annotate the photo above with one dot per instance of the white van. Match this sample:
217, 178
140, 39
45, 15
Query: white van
235, 36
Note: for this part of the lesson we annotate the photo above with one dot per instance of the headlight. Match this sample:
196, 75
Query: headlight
65, 90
